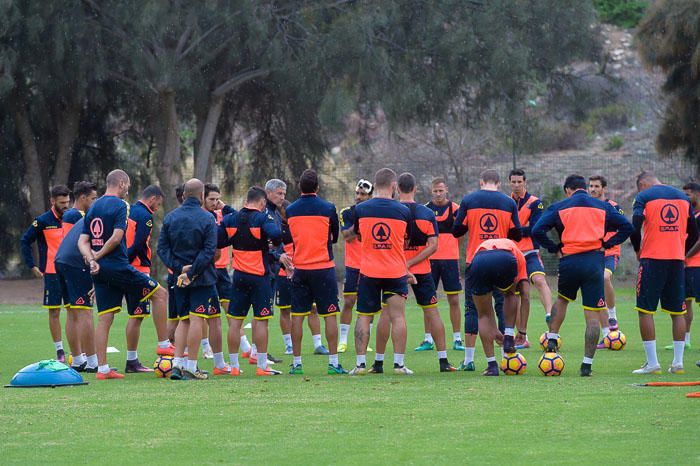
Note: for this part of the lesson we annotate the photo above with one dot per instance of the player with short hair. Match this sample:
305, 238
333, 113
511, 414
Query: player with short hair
665, 235
483, 214
249, 231
138, 251
353, 248
173, 319
84, 194
530, 209
381, 224
314, 228
103, 245
47, 231
422, 243
497, 264
582, 223
444, 263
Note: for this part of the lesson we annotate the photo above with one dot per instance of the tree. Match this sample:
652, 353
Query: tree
669, 38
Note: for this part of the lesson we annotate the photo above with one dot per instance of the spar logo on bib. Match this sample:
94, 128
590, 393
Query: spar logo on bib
97, 229
488, 224
381, 232
669, 216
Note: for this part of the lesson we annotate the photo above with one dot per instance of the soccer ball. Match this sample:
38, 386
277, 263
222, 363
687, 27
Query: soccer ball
163, 366
551, 364
615, 340
513, 364
543, 342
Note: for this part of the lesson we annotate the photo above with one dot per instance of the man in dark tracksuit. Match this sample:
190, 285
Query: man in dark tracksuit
187, 246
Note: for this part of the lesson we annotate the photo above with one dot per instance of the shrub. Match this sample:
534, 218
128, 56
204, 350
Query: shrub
615, 143
624, 13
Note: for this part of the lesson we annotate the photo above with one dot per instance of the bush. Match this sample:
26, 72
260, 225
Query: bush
624, 13
551, 136
608, 118
615, 143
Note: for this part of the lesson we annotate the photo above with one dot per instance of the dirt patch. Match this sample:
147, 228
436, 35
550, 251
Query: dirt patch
21, 291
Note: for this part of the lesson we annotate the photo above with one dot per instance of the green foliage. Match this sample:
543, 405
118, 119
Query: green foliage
624, 13
608, 118
615, 143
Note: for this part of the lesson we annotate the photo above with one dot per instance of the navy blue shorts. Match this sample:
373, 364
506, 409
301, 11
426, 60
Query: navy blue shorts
611, 263
446, 270
283, 293
471, 317
251, 290
533, 264
223, 285
661, 280
200, 301
692, 283
351, 280
583, 271
491, 270
136, 308
424, 290
77, 283
55, 293
113, 283
372, 292
314, 286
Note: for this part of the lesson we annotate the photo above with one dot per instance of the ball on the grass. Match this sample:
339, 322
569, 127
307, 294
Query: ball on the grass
615, 340
551, 364
163, 366
513, 364
543, 342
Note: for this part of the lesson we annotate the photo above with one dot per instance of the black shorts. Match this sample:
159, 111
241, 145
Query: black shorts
283, 294
351, 280
424, 290
315, 286
251, 290
611, 263
77, 283
200, 301
172, 305
661, 280
692, 283
55, 293
113, 283
583, 271
372, 292
491, 270
533, 263
223, 285
447, 271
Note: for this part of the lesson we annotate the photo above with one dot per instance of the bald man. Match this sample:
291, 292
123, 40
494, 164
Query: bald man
103, 246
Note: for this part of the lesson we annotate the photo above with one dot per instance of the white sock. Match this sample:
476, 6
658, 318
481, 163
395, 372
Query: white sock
678, 348
344, 330
180, 362
457, 336
587, 360
192, 365
442, 354
469, 354
297, 360
650, 350
253, 350
205, 344
104, 369
164, 344
245, 346
398, 359
317, 340
552, 336
605, 331
612, 313
379, 357
219, 360
92, 361
58, 345
131, 355
429, 338
509, 332
233, 357
361, 359
333, 360
687, 338
79, 360
262, 360
491, 359
287, 337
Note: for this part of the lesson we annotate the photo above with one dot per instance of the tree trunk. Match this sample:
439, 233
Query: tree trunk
202, 166
32, 171
168, 144
67, 127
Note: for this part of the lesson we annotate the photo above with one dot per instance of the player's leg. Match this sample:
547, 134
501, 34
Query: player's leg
488, 330
159, 312
369, 303
234, 339
324, 288
611, 310
650, 276
55, 329
194, 338
522, 315
263, 294
673, 303
87, 336
349, 301
104, 323
452, 286
302, 303
73, 337
137, 311
383, 332
471, 324
314, 323
216, 335
428, 344
396, 308
179, 360
109, 301
52, 302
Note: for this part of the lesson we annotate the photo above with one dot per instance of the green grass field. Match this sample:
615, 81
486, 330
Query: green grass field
383, 419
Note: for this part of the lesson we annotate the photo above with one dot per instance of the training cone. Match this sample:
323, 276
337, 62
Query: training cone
47, 373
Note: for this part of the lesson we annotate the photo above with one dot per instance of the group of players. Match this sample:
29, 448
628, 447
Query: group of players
100, 249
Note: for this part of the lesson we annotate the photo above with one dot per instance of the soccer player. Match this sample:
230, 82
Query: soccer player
138, 251
484, 214
173, 319
597, 187
84, 194
47, 231
187, 245
363, 191
497, 264
76, 280
444, 264
314, 228
582, 223
664, 229
381, 224
530, 209
103, 246
249, 231
422, 243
